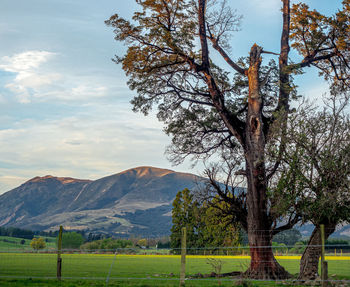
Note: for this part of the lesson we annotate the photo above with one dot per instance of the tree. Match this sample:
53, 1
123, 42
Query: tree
38, 243
185, 213
142, 242
205, 223
107, 244
219, 229
208, 110
71, 240
316, 179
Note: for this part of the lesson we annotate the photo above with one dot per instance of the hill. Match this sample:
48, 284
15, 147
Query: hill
135, 201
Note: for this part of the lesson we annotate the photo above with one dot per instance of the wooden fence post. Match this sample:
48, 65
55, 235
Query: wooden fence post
183, 257
59, 250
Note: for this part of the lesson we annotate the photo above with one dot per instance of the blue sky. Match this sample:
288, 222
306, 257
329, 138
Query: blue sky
64, 105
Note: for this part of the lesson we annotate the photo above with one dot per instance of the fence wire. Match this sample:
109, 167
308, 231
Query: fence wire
160, 264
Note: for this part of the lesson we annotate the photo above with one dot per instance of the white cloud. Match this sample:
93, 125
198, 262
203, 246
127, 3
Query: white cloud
29, 77
26, 61
84, 146
35, 81
88, 91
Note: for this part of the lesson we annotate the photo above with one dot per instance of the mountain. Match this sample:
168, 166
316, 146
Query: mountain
342, 230
135, 201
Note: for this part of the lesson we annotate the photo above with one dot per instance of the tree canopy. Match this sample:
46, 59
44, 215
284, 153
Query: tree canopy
315, 176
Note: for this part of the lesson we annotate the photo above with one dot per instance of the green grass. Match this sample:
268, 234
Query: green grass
126, 283
127, 270
14, 243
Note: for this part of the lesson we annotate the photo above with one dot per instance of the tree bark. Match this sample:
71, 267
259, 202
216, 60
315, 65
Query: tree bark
263, 263
311, 256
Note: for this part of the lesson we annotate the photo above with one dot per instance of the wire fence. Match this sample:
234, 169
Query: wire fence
214, 263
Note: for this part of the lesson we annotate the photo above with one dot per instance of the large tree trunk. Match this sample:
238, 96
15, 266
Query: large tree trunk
311, 256
263, 263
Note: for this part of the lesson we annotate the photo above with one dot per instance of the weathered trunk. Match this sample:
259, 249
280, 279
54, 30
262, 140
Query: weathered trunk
311, 256
263, 264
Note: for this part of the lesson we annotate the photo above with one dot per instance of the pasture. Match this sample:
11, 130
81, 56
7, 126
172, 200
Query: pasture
138, 270
14, 243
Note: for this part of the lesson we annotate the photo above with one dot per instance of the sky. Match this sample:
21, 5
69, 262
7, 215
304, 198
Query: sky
64, 105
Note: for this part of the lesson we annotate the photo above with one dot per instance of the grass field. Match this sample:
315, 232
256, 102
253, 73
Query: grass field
137, 270
132, 283
14, 243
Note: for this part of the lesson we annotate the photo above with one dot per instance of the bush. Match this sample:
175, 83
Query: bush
38, 243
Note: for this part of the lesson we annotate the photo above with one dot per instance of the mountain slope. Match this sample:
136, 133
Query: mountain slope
121, 203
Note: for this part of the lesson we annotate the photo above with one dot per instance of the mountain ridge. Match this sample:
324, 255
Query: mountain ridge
105, 205
135, 201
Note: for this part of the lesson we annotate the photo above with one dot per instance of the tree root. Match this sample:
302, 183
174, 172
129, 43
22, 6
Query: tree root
264, 273
215, 275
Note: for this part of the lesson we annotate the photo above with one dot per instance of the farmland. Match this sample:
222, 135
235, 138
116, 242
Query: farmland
158, 269
14, 243
20, 266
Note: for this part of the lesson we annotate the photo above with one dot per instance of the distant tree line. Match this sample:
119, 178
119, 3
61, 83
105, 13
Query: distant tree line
16, 232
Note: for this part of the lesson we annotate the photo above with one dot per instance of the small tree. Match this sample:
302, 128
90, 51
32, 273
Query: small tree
38, 243
316, 179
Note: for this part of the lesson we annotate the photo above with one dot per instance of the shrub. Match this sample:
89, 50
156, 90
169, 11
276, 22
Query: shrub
38, 243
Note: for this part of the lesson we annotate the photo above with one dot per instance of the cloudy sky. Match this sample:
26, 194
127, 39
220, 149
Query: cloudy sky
64, 105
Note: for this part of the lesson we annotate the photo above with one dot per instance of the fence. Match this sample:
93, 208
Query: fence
219, 265
150, 264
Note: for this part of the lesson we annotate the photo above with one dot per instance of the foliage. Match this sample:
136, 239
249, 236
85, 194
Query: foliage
288, 237
299, 248
71, 240
142, 242
219, 227
279, 248
320, 37
205, 225
163, 244
16, 232
337, 244
185, 213
107, 244
228, 111
38, 243
315, 180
